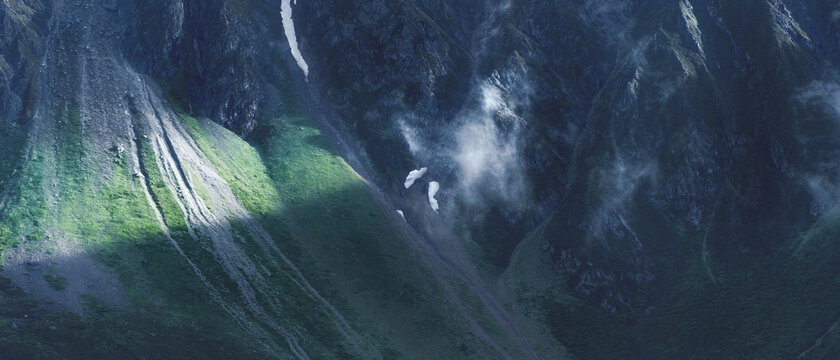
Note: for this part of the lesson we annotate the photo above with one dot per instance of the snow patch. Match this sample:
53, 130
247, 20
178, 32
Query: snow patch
413, 176
434, 186
289, 28
402, 215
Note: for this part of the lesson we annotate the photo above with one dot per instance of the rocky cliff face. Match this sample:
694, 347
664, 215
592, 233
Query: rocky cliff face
618, 179
604, 91
211, 50
24, 25
674, 140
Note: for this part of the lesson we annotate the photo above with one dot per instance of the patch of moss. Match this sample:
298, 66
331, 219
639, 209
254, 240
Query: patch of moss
56, 282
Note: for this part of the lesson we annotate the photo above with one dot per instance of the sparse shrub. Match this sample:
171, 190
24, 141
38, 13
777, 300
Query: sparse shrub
57, 282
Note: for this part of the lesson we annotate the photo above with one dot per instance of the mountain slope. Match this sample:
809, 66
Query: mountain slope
126, 210
625, 179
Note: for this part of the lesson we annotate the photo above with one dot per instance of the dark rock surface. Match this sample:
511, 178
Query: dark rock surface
670, 160
23, 25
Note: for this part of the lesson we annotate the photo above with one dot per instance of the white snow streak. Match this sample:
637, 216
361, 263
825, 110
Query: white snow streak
413, 176
289, 28
434, 186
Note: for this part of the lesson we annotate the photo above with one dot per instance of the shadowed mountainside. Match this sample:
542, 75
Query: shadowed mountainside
624, 179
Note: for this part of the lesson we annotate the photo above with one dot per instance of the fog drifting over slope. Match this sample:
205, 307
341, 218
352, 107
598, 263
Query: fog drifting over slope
824, 186
488, 150
483, 146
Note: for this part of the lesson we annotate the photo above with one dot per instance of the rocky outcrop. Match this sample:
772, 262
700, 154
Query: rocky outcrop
608, 142
670, 148
207, 51
22, 29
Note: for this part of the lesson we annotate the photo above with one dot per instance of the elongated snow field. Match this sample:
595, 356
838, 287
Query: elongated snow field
413, 176
434, 186
289, 29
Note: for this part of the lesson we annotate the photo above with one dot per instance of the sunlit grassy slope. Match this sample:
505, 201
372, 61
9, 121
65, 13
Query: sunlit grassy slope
322, 212
319, 212
64, 194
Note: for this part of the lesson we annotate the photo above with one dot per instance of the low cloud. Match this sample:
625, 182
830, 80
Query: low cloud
822, 93
488, 151
483, 147
824, 183
411, 136
824, 190
617, 182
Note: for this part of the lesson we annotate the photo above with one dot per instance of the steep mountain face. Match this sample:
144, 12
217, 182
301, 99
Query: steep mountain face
670, 147
603, 179
208, 50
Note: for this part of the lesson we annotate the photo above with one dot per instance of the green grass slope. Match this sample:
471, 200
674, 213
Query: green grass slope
306, 195
61, 194
68, 201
